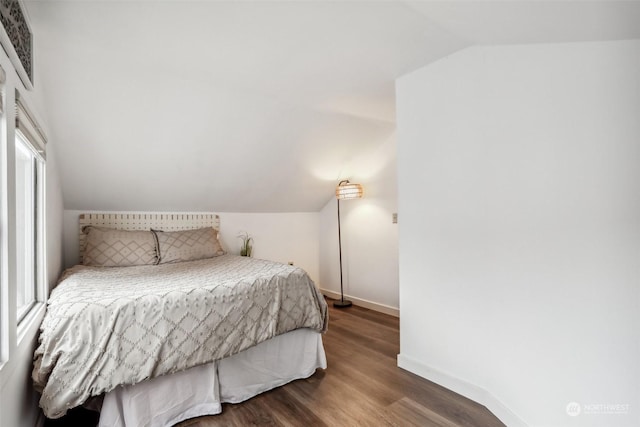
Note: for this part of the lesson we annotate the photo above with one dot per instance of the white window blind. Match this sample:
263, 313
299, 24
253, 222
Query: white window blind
29, 128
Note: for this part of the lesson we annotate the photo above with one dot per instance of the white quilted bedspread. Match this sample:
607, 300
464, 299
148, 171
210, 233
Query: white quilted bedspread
121, 325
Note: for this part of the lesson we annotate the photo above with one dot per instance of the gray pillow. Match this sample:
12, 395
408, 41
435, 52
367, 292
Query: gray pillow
187, 245
108, 247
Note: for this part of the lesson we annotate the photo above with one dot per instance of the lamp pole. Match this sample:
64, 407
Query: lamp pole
343, 302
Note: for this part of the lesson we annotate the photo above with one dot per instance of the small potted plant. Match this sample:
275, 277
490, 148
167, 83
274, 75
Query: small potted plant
245, 249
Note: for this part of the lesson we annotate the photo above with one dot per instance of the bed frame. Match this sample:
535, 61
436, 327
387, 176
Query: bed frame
166, 221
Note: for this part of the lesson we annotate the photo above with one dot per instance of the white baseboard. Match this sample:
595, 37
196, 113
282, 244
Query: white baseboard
364, 303
468, 390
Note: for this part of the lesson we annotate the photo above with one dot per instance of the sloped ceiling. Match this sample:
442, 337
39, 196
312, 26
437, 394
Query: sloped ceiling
252, 106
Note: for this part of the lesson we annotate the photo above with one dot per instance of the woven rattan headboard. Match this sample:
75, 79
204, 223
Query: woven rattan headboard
166, 221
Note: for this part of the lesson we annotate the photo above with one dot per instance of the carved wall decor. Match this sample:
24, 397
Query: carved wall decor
17, 39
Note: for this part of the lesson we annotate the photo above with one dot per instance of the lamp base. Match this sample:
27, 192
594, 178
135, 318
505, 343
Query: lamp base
342, 303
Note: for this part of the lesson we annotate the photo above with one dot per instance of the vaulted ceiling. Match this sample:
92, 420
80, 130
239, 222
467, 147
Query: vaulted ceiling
253, 106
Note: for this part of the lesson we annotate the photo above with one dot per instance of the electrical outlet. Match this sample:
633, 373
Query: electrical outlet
394, 218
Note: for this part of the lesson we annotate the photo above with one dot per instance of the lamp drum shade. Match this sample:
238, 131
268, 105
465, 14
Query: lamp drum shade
346, 190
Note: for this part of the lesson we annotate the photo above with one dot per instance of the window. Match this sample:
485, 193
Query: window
4, 308
27, 166
29, 204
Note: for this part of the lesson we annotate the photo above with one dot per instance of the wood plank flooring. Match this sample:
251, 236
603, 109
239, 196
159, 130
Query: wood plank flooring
362, 386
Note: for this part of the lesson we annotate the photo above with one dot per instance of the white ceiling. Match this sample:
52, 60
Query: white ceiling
253, 106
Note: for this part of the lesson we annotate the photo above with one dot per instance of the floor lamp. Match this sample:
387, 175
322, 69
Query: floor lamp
344, 190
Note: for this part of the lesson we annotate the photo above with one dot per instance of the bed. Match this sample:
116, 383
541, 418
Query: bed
164, 325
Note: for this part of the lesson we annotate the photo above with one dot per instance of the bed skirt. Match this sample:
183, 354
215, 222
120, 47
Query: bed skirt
199, 391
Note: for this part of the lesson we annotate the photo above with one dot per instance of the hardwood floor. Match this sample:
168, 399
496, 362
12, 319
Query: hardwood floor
361, 386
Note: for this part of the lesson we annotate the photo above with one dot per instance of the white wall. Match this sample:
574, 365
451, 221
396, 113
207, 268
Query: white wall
519, 183
369, 238
55, 210
18, 400
281, 237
